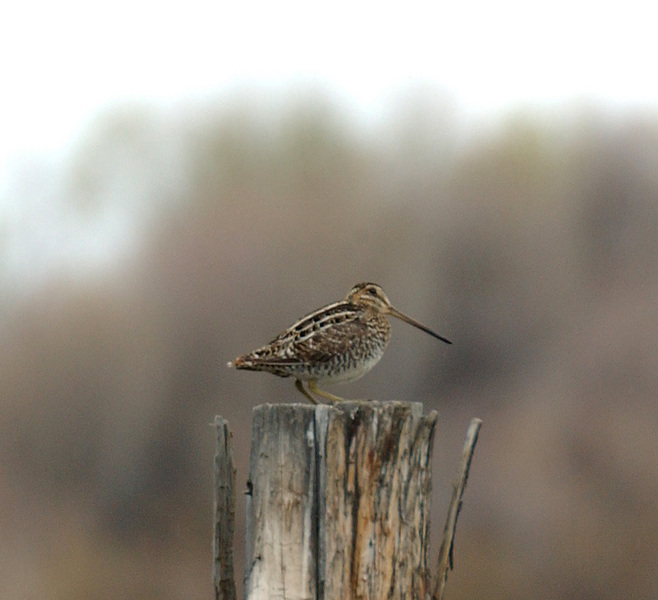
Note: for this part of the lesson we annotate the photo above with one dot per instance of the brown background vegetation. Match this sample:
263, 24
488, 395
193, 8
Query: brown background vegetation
532, 244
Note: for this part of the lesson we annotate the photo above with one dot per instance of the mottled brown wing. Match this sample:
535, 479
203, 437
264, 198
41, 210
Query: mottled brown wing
337, 339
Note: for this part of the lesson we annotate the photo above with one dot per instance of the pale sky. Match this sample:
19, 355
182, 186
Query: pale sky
62, 63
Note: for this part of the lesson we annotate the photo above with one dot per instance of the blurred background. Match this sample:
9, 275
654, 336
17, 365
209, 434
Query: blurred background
178, 184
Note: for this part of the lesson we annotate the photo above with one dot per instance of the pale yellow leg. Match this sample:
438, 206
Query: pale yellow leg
316, 390
300, 387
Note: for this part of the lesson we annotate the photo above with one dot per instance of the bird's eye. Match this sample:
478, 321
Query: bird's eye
372, 291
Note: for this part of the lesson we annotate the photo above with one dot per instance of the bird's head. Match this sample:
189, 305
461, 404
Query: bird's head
369, 295
372, 296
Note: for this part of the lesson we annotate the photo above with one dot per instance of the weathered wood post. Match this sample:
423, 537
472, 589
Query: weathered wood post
223, 573
338, 503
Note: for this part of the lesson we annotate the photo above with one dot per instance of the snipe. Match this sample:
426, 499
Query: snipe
339, 342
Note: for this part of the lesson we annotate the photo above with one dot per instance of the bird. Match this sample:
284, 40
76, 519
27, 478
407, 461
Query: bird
337, 343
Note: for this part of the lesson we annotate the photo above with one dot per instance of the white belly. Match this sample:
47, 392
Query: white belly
336, 374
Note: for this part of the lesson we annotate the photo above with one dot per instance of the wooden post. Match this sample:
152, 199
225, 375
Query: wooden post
281, 516
338, 502
223, 572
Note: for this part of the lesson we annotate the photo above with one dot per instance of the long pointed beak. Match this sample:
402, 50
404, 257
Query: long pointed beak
396, 313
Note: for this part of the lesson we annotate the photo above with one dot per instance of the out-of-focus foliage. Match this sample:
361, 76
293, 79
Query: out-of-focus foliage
532, 245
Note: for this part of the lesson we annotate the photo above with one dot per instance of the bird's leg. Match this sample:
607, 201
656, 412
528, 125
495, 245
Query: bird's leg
300, 387
316, 390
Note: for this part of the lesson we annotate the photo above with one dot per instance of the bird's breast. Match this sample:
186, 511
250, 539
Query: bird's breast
352, 370
349, 365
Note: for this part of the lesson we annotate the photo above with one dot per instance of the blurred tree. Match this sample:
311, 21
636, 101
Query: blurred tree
533, 246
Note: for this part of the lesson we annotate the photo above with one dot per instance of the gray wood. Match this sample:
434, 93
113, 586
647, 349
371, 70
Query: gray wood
374, 501
223, 571
281, 537
339, 501
447, 544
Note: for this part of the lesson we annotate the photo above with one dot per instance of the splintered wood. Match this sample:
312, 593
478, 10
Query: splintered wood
223, 572
338, 502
